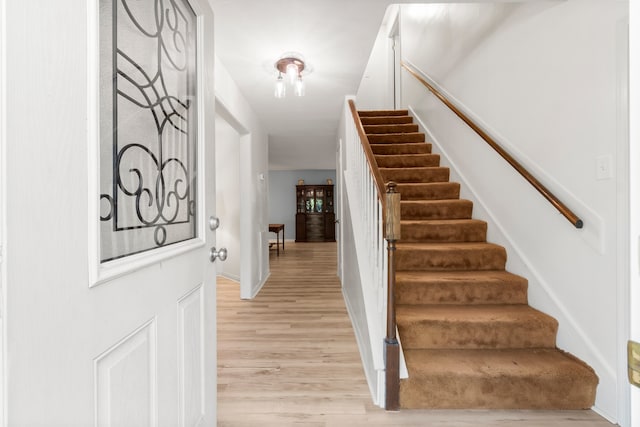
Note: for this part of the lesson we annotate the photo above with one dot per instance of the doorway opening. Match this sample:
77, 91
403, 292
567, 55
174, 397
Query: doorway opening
232, 142
228, 197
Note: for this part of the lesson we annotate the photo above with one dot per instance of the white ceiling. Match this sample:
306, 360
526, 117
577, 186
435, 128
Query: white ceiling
335, 37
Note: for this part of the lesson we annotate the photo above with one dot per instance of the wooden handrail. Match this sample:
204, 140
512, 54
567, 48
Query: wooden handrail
373, 165
561, 207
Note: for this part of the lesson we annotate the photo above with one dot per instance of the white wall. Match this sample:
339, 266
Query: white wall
282, 195
633, 296
354, 300
545, 80
373, 89
254, 144
374, 92
228, 197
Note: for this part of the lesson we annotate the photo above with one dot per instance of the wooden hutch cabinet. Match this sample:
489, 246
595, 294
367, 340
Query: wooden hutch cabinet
315, 218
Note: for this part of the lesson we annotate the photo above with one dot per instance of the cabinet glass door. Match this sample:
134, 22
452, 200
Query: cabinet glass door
310, 201
300, 202
319, 200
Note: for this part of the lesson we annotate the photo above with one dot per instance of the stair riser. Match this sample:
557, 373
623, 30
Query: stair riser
394, 138
432, 191
493, 258
439, 334
415, 148
431, 174
383, 113
386, 120
460, 293
472, 392
450, 209
401, 128
470, 340
408, 161
471, 232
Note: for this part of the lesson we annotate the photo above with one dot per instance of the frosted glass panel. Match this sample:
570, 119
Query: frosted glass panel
148, 124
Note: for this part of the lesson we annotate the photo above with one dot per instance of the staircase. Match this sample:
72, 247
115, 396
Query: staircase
469, 337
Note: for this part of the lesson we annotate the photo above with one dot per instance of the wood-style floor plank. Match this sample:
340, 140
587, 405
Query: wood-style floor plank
289, 358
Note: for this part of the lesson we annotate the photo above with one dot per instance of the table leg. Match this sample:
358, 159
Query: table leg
278, 244
283, 238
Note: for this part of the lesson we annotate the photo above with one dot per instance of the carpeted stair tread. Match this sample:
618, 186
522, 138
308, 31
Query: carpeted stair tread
393, 138
400, 148
497, 379
407, 160
443, 230
436, 209
416, 174
429, 191
386, 120
391, 128
475, 326
460, 287
378, 113
450, 256
470, 339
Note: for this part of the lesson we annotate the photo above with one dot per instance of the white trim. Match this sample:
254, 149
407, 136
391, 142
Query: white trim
231, 277
394, 56
3, 214
381, 390
108, 271
622, 220
100, 273
634, 187
339, 202
246, 139
609, 370
256, 291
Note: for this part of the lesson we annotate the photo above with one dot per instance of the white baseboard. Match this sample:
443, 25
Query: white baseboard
230, 277
259, 288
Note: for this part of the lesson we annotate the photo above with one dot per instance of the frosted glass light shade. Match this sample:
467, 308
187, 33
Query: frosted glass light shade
280, 89
299, 87
292, 73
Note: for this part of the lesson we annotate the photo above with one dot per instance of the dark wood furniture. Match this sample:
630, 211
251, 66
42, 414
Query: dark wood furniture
315, 217
277, 228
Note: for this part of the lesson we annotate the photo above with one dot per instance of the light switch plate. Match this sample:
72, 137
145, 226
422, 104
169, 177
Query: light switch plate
604, 167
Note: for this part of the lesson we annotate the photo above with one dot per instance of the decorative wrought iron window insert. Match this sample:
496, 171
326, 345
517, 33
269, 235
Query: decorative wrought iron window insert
148, 125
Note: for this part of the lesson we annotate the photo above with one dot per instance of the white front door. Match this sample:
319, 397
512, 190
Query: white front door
110, 293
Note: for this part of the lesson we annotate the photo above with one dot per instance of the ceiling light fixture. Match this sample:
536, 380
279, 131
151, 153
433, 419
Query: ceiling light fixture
292, 66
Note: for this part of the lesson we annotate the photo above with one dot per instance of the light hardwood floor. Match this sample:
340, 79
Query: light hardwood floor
289, 357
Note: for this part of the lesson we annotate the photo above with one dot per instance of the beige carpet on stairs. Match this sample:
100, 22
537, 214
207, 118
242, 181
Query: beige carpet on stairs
469, 337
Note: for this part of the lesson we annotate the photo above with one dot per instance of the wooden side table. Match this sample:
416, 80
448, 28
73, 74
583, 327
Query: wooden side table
276, 228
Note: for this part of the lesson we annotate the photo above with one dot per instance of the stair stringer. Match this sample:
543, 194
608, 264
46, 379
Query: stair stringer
519, 263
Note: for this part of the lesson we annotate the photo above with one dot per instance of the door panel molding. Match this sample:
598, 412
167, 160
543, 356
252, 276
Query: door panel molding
126, 380
191, 357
